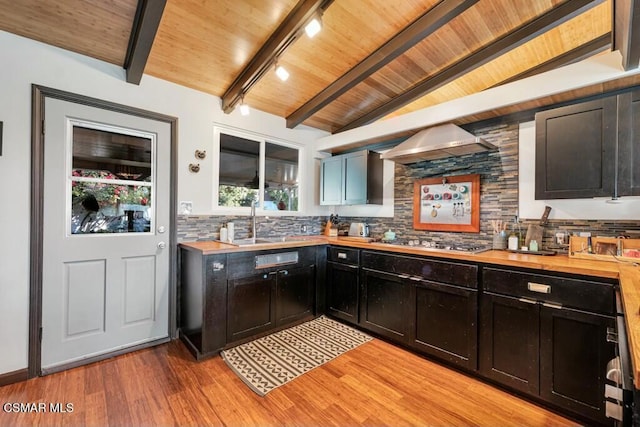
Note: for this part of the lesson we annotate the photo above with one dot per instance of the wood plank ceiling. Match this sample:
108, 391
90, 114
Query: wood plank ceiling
373, 58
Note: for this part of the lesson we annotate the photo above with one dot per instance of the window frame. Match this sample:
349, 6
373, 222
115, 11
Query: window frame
69, 178
262, 140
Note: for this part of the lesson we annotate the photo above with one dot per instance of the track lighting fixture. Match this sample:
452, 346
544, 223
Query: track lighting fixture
244, 108
314, 26
282, 73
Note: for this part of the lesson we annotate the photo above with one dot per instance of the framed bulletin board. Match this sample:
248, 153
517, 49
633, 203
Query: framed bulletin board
447, 204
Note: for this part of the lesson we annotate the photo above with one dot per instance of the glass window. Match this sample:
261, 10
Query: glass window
281, 178
111, 182
239, 171
242, 179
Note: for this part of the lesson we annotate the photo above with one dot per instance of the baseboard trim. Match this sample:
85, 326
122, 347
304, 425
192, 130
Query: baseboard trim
14, 377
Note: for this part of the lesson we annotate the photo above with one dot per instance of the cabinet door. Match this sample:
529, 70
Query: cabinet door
509, 342
331, 181
575, 150
384, 305
251, 305
295, 294
446, 323
573, 360
629, 144
355, 179
343, 291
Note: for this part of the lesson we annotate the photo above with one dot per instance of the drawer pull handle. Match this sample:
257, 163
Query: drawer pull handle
342, 255
539, 287
552, 305
527, 300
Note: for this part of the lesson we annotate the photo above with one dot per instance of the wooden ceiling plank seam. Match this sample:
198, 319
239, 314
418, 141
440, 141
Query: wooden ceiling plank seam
145, 26
278, 42
429, 22
524, 33
584, 51
627, 32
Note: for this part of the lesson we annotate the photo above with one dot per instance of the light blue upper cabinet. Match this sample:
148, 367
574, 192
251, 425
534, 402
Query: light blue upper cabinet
351, 179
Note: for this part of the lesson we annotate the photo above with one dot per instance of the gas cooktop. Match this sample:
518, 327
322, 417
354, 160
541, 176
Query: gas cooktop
444, 247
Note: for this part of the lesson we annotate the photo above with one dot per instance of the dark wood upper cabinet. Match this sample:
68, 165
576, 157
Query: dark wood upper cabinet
590, 149
576, 150
629, 144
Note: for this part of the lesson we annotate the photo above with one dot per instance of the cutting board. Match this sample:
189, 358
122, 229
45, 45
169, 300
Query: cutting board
534, 232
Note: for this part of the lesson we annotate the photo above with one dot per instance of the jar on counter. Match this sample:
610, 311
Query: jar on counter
514, 242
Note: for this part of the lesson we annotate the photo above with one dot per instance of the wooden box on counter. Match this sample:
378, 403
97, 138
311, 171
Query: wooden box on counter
604, 248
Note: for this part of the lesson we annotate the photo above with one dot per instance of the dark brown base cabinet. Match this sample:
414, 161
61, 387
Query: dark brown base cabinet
385, 305
226, 298
509, 342
574, 353
343, 283
446, 323
252, 306
551, 345
428, 305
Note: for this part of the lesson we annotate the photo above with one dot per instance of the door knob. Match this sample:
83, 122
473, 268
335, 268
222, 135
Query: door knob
162, 245
161, 229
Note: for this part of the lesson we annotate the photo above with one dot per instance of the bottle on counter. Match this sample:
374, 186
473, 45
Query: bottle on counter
230, 231
515, 238
224, 236
514, 241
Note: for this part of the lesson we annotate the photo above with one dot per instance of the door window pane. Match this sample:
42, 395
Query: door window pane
281, 178
111, 182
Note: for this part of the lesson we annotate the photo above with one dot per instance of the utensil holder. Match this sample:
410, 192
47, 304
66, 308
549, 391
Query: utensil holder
499, 242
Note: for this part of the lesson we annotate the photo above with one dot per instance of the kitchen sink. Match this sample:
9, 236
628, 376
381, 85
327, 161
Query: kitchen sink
262, 240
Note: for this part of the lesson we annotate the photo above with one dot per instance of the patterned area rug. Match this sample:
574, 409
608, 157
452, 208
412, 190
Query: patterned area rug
271, 361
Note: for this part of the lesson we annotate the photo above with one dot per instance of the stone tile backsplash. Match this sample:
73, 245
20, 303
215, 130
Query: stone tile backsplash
498, 200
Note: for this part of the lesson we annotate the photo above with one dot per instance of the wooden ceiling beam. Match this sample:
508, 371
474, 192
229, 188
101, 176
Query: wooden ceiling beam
143, 32
286, 33
515, 38
586, 50
627, 32
429, 22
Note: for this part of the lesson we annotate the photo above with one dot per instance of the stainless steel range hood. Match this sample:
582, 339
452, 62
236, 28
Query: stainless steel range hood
437, 143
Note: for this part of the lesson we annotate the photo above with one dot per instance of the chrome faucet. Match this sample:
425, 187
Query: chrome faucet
253, 220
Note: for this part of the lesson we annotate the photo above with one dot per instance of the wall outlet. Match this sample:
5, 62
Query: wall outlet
303, 228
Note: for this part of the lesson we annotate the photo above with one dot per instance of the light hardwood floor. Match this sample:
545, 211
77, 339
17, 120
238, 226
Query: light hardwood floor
374, 384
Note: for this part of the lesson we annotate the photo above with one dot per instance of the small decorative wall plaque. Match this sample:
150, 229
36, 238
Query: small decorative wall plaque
447, 204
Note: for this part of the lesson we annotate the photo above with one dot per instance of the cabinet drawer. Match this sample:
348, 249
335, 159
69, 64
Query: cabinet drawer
439, 271
578, 293
343, 255
242, 264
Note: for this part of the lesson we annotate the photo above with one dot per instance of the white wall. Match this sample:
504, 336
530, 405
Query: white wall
25, 62
626, 208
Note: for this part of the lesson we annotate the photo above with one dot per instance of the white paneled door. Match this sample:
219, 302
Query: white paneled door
105, 284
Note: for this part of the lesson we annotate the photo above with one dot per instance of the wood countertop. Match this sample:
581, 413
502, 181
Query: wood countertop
627, 273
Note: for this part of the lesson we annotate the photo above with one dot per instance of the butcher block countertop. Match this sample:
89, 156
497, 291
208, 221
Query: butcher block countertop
627, 273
